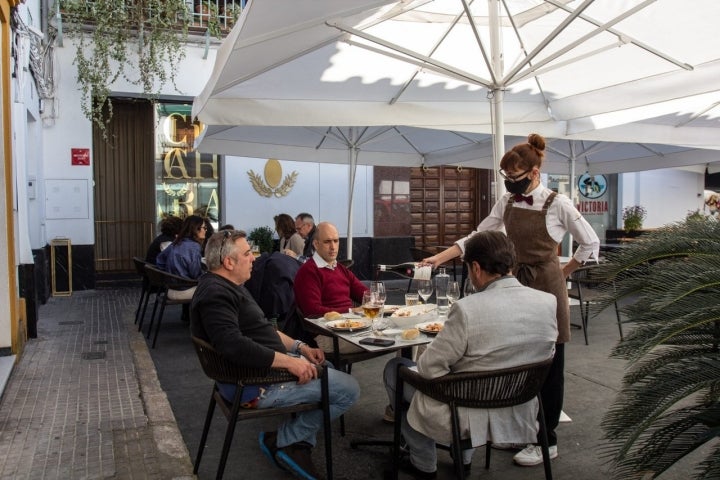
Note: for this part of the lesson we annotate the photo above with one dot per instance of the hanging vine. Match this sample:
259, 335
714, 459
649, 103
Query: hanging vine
140, 41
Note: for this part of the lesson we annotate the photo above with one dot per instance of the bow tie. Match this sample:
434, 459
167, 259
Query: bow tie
523, 198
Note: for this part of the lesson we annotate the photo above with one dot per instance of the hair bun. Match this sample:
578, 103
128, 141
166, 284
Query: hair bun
536, 140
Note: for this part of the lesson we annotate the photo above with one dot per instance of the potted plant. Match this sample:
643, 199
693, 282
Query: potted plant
263, 238
668, 405
633, 217
141, 42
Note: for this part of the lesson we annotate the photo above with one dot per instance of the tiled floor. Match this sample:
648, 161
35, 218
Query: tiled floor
73, 407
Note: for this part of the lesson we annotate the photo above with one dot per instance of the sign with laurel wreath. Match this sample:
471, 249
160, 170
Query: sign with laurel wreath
271, 186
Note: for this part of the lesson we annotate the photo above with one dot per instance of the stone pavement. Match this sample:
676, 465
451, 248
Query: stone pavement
84, 400
87, 400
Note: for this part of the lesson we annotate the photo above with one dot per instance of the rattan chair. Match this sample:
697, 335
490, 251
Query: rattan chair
163, 282
221, 370
490, 389
587, 287
146, 290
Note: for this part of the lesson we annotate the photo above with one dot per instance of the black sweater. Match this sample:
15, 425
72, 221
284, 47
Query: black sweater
227, 316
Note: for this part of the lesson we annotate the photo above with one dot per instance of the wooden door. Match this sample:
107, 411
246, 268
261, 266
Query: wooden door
124, 196
445, 204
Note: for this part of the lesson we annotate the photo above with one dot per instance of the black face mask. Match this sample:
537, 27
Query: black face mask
518, 187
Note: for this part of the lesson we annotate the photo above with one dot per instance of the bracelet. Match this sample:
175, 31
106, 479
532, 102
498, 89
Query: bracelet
297, 346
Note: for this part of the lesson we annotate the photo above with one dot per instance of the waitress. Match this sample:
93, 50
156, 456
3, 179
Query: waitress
536, 219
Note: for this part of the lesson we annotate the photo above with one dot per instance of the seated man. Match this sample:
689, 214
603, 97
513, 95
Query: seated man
323, 285
224, 313
503, 325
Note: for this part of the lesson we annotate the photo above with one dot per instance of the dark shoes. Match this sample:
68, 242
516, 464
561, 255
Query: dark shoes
297, 459
406, 466
268, 445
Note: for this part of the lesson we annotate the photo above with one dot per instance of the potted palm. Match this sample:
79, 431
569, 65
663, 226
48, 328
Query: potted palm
669, 402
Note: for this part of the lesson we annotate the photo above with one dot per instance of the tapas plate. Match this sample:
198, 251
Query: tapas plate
348, 325
408, 316
430, 328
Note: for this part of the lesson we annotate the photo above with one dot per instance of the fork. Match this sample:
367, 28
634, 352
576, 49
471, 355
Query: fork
362, 334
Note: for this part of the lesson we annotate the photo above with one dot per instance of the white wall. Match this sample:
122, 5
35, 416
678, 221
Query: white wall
668, 195
67, 128
320, 190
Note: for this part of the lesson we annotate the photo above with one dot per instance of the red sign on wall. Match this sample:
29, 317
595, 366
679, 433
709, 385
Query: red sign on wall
80, 156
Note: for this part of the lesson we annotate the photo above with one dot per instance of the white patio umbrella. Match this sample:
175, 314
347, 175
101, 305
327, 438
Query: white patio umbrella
383, 145
623, 70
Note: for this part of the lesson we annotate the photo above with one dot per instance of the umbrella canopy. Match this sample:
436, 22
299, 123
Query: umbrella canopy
599, 157
622, 70
379, 145
384, 145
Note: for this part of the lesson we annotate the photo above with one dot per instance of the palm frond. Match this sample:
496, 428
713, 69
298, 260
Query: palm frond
674, 436
668, 404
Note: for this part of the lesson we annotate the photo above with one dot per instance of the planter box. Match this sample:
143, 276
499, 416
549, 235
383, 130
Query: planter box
621, 236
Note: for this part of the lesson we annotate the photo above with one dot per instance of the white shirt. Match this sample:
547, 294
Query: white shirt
321, 263
562, 217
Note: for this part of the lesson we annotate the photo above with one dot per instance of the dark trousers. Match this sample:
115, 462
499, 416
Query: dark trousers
552, 393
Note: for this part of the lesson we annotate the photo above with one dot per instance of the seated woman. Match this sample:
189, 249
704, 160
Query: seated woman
169, 228
291, 243
184, 256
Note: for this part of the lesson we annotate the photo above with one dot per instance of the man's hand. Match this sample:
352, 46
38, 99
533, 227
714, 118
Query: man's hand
289, 252
301, 368
315, 355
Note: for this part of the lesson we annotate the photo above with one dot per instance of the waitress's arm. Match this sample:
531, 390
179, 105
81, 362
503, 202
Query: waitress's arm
443, 257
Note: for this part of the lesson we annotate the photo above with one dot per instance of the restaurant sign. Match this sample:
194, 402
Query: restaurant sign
592, 189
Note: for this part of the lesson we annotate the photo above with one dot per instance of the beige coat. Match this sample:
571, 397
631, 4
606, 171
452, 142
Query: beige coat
505, 325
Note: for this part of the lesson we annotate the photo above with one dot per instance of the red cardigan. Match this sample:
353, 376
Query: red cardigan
321, 290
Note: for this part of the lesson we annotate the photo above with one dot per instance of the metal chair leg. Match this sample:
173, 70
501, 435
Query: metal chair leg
544, 440
206, 429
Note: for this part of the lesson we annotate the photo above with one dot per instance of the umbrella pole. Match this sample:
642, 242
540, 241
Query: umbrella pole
496, 100
353, 167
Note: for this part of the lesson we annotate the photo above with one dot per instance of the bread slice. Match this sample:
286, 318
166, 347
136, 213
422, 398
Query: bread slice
410, 334
332, 316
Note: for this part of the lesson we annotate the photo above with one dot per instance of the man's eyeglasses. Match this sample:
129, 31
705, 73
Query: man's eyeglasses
513, 178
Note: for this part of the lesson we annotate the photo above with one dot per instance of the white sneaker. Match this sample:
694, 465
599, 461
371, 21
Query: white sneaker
532, 455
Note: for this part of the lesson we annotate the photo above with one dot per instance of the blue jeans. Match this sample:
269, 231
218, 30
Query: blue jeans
423, 453
343, 390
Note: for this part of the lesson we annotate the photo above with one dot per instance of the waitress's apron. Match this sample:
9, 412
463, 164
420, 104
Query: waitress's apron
538, 265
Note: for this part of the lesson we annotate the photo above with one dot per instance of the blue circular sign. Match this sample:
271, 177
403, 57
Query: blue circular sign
592, 186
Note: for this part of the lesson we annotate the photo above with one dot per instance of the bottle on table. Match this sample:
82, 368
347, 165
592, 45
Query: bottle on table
441, 286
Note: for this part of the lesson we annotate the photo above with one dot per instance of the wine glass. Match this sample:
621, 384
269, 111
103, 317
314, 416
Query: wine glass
453, 292
378, 288
425, 289
372, 306
469, 288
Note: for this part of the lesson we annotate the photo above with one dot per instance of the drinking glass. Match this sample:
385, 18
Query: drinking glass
379, 289
411, 299
453, 292
372, 306
425, 289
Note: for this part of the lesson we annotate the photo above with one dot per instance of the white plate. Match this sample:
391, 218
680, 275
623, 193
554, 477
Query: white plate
348, 325
414, 310
423, 327
408, 316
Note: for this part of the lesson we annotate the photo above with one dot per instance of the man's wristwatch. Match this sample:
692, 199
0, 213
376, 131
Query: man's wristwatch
297, 346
